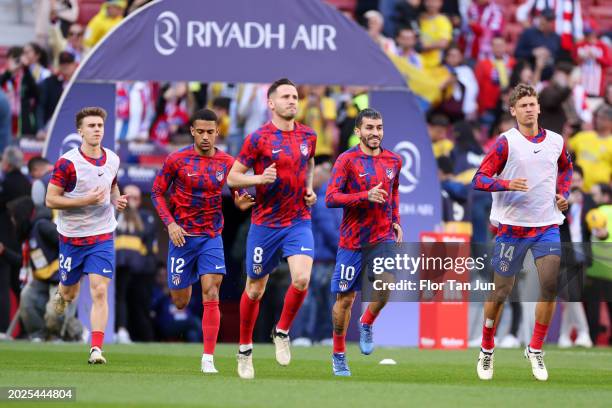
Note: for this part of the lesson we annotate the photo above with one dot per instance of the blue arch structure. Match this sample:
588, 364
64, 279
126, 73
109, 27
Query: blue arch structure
257, 41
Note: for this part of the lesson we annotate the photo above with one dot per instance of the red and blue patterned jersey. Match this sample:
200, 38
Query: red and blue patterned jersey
64, 176
280, 204
494, 163
195, 184
355, 173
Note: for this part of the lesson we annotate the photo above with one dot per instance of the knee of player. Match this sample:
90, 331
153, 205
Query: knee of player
98, 293
345, 300
211, 293
301, 283
549, 290
180, 303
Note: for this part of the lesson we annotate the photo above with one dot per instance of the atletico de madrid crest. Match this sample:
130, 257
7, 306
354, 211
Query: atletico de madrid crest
389, 173
257, 269
304, 149
176, 280
219, 175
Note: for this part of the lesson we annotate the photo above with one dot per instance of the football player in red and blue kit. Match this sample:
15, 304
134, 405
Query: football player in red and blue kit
195, 176
281, 153
365, 182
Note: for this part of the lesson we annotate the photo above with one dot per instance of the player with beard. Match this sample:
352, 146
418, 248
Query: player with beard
281, 154
365, 182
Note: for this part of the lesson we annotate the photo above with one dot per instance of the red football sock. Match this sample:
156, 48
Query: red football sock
293, 301
488, 338
249, 309
539, 334
97, 339
368, 317
339, 343
211, 319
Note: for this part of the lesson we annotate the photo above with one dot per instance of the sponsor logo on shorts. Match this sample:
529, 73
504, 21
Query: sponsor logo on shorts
304, 149
305, 249
343, 285
106, 270
219, 266
176, 279
257, 269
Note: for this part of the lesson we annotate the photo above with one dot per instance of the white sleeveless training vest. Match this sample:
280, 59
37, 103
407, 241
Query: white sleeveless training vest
537, 162
92, 219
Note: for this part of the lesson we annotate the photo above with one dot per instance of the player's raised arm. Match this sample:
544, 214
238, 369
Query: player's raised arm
493, 164
335, 196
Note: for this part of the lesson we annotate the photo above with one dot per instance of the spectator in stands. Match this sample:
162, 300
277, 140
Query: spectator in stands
5, 121
436, 33
110, 14
142, 112
541, 42
575, 259
375, 24
53, 13
493, 75
524, 73
51, 91
40, 171
593, 57
136, 247
599, 283
453, 192
406, 14
13, 185
463, 90
35, 58
72, 43
437, 126
34, 226
407, 41
22, 91
555, 99
221, 107
318, 111
171, 113
485, 21
252, 107
593, 148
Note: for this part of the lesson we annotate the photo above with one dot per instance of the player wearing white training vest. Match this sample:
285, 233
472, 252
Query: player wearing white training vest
528, 172
84, 190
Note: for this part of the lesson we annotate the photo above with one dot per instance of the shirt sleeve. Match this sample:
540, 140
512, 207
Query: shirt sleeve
493, 163
162, 182
64, 175
249, 152
395, 197
565, 171
335, 197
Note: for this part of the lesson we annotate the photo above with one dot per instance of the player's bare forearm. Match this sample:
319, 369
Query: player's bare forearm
310, 173
55, 199
237, 177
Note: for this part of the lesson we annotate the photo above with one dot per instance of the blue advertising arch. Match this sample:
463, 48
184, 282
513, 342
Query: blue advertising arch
257, 41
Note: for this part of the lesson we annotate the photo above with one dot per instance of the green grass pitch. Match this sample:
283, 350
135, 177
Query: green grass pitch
159, 375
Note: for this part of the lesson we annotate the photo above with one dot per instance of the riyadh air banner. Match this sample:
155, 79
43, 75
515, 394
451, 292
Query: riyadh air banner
241, 41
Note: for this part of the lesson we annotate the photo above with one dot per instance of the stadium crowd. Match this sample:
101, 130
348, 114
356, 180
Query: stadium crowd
460, 58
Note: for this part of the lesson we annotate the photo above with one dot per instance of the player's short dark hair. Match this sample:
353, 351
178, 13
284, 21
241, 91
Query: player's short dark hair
366, 113
279, 82
66, 57
89, 111
438, 119
605, 190
521, 91
204, 114
14, 52
36, 161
